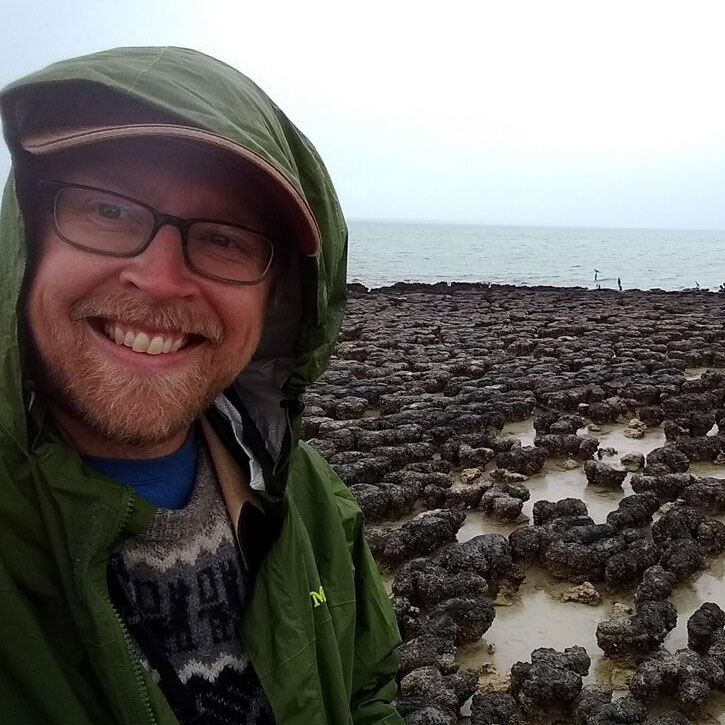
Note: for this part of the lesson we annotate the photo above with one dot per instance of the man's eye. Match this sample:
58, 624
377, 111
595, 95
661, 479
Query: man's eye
219, 240
108, 211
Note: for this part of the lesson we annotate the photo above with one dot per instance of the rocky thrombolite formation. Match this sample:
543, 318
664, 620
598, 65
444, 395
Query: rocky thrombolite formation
689, 674
410, 414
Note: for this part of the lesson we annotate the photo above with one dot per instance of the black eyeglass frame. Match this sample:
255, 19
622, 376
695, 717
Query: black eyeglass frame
160, 220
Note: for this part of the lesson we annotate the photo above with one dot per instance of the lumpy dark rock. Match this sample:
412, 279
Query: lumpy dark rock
632, 461
638, 633
408, 616
418, 711
469, 457
373, 500
428, 650
425, 583
560, 444
594, 706
707, 494
494, 708
577, 549
666, 486
545, 511
527, 460
602, 474
682, 557
704, 626
699, 448
527, 543
711, 536
423, 534
672, 718
589, 702
470, 618
488, 555
686, 675
635, 510
429, 685
668, 457
657, 583
581, 553
680, 522
551, 678
625, 568
504, 501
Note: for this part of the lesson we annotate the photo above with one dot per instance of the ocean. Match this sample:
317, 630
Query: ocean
382, 253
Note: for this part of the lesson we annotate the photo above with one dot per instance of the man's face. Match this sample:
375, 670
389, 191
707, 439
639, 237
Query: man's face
82, 307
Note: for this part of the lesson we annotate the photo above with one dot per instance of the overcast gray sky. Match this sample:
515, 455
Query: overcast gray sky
561, 113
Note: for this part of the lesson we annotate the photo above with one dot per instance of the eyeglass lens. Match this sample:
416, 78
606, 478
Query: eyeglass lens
104, 222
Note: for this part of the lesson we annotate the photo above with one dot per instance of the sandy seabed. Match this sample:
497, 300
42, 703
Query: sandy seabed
483, 431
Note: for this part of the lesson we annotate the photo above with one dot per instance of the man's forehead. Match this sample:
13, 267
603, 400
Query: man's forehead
146, 168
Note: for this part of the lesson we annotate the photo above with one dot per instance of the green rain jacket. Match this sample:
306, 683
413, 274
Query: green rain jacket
318, 627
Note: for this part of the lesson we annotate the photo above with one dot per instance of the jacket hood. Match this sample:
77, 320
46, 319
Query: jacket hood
198, 92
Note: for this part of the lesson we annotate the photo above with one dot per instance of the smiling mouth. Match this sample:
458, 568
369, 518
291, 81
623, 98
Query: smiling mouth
143, 341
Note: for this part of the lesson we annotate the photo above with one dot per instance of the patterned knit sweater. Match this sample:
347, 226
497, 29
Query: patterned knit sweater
181, 587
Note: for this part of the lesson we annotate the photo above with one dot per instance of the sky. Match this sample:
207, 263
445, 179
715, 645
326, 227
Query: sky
533, 113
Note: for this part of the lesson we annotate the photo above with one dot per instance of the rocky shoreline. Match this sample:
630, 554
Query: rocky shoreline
413, 413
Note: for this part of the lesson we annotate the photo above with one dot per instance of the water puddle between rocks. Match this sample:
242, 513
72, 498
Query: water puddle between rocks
558, 481
521, 429
694, 373
536, 618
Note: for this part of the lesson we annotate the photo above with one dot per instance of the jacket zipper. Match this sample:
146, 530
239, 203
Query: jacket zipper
136, 665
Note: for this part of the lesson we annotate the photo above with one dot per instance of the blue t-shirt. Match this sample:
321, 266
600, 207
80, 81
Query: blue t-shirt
166, 481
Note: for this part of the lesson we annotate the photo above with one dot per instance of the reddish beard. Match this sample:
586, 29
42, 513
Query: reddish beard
121, 405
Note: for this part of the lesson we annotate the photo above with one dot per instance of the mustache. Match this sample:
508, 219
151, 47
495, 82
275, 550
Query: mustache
133, 310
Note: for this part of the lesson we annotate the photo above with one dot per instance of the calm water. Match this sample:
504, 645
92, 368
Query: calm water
385, 252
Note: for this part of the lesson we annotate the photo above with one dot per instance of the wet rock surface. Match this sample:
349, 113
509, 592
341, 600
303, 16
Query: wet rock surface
689, 676
594, 706
639, 632
494, 708
423, 415
602, 474
551, 678
422, 535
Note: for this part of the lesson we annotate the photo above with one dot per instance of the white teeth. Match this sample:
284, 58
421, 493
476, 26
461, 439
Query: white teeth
142, 342
155, 346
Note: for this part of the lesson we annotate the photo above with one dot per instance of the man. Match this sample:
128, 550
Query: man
173, 276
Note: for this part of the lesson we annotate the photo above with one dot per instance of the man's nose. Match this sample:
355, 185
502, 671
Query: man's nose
161, 270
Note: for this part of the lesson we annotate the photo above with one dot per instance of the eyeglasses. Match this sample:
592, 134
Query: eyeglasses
114, 225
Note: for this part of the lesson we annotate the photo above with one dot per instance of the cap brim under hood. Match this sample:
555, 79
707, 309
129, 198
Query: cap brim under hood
186, 94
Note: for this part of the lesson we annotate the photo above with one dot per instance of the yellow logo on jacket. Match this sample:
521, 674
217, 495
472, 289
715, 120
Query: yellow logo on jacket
318, 597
